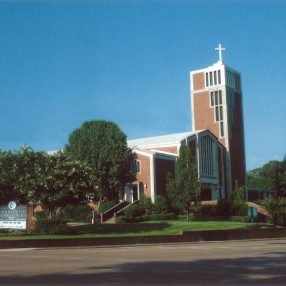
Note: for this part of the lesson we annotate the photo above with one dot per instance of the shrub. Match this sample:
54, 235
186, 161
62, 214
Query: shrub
224, 208
134, 211
76, 213
160, 206
238, 208
52, 226
145, 202
276, 208
41, 215
106, 206
169, 216
121, 219
207, 210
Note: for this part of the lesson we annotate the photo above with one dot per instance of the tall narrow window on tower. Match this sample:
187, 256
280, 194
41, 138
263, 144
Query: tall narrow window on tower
212, 78
207, 161
216, 102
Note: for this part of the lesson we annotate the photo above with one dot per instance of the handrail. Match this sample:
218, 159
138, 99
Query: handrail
122, 210
110, 213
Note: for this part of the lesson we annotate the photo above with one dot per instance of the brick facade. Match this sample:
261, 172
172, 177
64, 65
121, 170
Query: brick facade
145, 173
204, 117
198, 81
170, 149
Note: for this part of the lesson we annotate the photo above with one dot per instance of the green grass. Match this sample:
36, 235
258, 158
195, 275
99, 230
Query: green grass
146, 228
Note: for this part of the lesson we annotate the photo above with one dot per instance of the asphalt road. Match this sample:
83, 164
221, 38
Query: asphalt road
261, 262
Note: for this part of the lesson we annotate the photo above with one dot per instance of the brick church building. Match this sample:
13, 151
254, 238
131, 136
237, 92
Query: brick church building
217, 139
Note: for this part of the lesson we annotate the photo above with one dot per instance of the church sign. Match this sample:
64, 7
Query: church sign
13, 216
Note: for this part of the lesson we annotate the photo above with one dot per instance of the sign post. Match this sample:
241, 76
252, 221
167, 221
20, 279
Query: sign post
13, 216
252, 212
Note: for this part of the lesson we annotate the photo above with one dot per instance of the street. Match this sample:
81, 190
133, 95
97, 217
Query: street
208, 263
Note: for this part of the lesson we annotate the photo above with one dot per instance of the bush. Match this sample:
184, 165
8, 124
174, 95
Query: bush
52, 226
106, 206
160, 206
224, 208
76, 213
169, 216
238, 208
11, 232
145, 202
125, 219
207, 211
134, 211
121, 219
276, 208
41, 215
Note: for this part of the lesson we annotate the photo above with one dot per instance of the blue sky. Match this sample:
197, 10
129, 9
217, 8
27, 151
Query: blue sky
66, 62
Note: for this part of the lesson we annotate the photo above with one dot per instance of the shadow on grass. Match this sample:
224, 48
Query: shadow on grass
122, 228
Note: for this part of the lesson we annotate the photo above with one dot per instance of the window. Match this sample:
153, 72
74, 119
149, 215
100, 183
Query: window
207, 161
212, 98
230, 79
221, 129
220, 113
216, 102
207, 79
220, 97
213, 78
216, 114
135, 166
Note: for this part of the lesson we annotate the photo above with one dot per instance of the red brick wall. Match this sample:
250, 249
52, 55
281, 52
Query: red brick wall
30, 217
198, 81
204, 115
145, 175
172, 149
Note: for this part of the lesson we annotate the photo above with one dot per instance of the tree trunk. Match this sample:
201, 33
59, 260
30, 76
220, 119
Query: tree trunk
188, 219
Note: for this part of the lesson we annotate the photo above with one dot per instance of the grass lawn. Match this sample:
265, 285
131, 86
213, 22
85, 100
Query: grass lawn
145, 228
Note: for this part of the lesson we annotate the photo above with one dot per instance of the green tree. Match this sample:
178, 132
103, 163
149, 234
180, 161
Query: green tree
103, 146
185, 189
238, 204
160, 205
53, 181
271, 176
276, 208
9, 174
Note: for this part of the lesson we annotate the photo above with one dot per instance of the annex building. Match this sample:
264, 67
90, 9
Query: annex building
217, 139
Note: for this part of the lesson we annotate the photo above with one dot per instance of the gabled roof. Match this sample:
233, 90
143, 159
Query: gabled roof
162, 140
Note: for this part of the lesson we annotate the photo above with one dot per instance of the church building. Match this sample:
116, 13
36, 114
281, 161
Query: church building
217, 139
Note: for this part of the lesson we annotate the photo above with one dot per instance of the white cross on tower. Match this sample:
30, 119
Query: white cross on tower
220, 49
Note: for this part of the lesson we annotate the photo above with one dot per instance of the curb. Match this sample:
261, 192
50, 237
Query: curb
184, 236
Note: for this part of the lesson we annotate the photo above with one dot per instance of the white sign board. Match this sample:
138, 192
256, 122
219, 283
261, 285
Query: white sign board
13, 216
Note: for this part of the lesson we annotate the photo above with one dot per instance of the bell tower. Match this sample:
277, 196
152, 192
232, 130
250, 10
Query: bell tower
216, 99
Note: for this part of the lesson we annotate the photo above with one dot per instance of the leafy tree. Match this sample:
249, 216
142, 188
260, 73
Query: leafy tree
185, 189
103, 146
270, 176
276, 208
9, 174
53, 181
160, 206
238, 204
